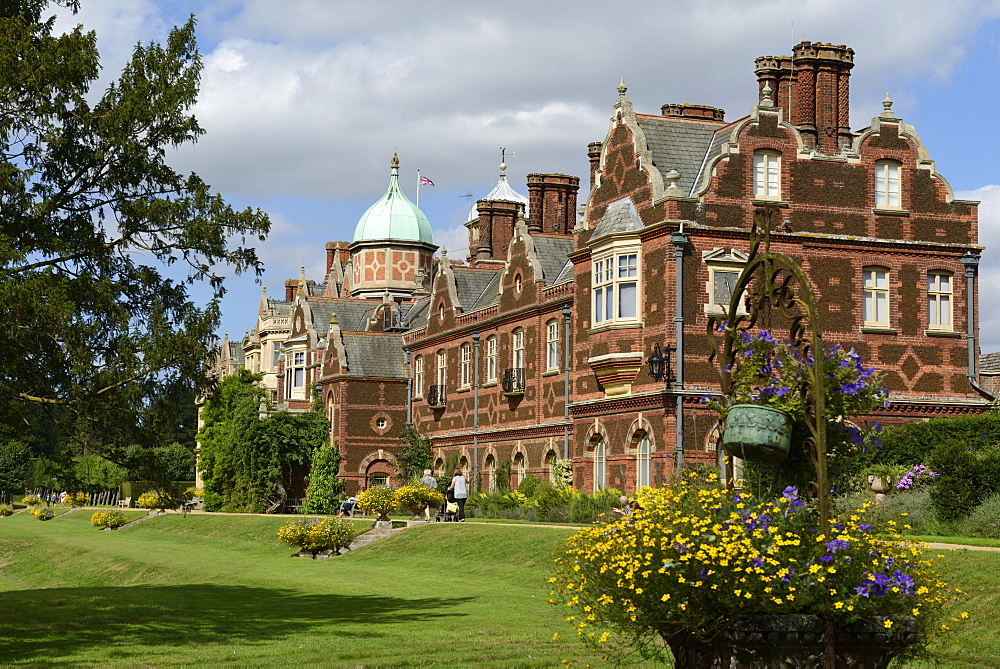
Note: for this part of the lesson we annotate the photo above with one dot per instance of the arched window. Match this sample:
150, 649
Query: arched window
491, 472
642, 464
600, 463
767, 175
887, 185
520, 471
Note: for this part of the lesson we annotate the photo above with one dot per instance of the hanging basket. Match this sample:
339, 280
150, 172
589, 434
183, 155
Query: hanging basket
757, 433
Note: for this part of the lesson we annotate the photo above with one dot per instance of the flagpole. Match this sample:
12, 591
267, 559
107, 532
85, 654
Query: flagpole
418, 188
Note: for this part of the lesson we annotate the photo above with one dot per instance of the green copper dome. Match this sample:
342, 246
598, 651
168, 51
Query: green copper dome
394, 216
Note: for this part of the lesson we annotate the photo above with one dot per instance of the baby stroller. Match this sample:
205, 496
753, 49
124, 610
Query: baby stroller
448, 513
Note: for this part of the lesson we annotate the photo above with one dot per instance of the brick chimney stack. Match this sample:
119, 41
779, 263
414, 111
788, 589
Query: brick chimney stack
594, 154
496, 228
813, 89
552, 202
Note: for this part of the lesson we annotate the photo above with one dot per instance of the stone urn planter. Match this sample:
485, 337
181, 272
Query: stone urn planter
757, 433
795, 640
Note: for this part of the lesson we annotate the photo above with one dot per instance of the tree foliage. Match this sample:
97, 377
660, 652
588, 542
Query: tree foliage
246, 461
415, 455
15, 460
92, 217
325, 486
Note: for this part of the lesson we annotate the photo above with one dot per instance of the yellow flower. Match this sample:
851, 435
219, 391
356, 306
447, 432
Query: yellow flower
887, 624
838, 605
965, 614
555, 637
665, 597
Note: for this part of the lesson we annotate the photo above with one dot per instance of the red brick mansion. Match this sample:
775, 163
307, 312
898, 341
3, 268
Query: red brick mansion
534, 347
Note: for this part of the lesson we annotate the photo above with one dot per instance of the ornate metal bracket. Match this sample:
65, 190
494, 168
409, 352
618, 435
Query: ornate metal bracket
770, 284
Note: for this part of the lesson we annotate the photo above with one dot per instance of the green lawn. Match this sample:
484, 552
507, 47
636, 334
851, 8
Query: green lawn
221, 590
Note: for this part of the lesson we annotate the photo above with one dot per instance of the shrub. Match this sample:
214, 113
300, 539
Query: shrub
6, 510
586, 508
562, 473
493, 504
548, 496
557, 514
325, 486
378, 499
984, 521
76, 499
112, 519
315, 535
44, 513
966, 476
413, 498
155, 500
193, 492
31, 500
529, 485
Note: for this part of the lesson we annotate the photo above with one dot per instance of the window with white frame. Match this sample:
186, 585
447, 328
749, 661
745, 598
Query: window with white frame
520, 470
887, 185
442, 370
295, 375
767, 175
616, 287
418, 376
491, 359
939, 301
600, 464
876, 297
466, 366
642, 460
276, 354
517, 347
552, 345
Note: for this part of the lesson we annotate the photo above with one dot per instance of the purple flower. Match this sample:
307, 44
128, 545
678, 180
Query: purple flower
837, 545
790, 493
865, 527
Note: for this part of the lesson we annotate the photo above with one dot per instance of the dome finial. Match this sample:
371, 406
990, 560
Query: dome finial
622, 87
395, 164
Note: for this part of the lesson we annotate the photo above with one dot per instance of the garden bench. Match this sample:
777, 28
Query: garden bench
125, 503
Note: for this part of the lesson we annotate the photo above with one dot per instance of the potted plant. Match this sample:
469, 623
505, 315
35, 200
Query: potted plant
378, 499
767, 382
727, 580
415, 498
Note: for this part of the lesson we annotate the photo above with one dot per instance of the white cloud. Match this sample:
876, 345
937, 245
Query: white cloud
989, 268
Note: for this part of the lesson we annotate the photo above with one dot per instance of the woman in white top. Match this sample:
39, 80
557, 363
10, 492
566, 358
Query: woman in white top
460, 488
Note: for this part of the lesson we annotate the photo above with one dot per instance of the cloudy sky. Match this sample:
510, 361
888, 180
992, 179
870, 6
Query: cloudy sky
304, 101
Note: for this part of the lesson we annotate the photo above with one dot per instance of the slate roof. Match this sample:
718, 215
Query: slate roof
989, 363
491, 295
316, 289
722, 136
677, 144
375, 354
280, 307
620, 216
552, 254
471, 284
236, 353
416, 316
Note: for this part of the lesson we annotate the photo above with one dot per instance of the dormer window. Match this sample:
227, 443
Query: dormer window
767, 175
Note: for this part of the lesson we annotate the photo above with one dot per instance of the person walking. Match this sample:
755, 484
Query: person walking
432, 484
460, 487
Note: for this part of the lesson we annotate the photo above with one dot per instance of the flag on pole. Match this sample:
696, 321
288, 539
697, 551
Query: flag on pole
424, 181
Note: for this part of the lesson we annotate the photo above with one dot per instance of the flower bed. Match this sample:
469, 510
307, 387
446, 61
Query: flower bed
315, 535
